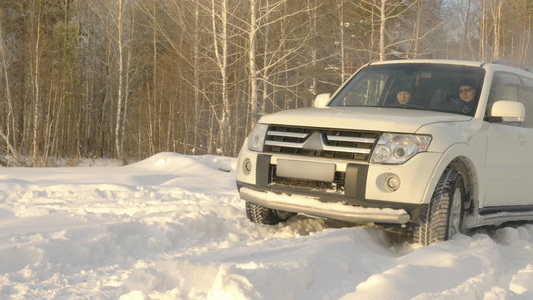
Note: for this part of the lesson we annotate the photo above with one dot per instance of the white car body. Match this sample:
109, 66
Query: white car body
490, 147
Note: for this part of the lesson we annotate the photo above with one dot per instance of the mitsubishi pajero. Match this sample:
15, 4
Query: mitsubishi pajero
433, 147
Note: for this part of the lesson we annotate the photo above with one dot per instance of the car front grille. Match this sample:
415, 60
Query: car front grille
334, 143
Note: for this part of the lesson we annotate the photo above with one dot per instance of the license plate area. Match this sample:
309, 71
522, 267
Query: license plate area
305, 170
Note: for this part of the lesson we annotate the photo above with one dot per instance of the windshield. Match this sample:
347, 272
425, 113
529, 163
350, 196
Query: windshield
438, 87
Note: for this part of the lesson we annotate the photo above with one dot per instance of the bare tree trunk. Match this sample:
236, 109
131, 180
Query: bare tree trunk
526, 41
314, 53
9, 146
254, 92
342, 41
483, 34
49, 143
416, 31
154, 75
372, 35
124, 118
150, 125
497, 16
266, 70
221, 53
10, 122
196, 63
36, 90
120, 27
382, 21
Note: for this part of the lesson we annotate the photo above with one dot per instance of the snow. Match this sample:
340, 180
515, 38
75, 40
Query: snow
173, 227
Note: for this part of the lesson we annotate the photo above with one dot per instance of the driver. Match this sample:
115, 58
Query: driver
403, 96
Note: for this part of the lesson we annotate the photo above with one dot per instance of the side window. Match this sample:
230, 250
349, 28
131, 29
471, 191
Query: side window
504, 87
526, 97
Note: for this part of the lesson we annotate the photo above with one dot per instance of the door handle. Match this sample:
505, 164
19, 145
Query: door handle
522, 139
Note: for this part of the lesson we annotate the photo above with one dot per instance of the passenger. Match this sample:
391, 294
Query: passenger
467, 95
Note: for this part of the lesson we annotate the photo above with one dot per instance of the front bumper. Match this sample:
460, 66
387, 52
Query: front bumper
333, 210
359, 189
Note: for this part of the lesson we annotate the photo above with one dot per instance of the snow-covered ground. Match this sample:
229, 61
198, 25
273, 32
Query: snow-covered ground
173, 227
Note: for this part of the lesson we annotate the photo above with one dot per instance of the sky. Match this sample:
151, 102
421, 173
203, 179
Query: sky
173, 227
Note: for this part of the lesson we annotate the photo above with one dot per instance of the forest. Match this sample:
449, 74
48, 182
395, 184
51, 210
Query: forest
130, 78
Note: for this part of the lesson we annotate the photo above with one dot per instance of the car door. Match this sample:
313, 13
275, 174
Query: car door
509, 160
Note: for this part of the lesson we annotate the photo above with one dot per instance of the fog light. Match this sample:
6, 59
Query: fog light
247, 166
392, 183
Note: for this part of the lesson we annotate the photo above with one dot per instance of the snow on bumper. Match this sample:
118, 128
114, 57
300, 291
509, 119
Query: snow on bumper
312, 206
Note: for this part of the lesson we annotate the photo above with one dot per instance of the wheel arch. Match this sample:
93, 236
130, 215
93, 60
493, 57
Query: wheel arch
462, 158
471, 182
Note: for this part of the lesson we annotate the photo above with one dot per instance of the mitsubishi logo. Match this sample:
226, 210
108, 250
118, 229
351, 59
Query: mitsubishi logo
315, 142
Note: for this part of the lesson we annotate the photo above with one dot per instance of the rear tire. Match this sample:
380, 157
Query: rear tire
444, 217
264, 215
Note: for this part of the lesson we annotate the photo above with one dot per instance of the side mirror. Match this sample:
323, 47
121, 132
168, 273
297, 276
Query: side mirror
321, 100
507, 111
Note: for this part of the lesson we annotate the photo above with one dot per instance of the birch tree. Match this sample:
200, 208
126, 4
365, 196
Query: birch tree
221, 36
36, 59
9, 120
118, 17
252, 56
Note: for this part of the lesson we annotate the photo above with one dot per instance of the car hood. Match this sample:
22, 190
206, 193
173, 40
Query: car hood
362, 118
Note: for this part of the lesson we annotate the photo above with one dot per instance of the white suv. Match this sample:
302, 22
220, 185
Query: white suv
458, 155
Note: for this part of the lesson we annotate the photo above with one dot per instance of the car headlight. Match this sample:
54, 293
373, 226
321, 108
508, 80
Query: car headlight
256, 139
398, 148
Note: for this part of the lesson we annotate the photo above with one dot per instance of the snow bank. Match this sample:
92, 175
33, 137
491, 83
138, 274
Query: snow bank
173, 227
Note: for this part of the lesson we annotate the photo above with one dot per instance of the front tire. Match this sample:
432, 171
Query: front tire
444, 217
264, 215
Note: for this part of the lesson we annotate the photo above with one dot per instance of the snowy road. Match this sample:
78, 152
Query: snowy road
173, 227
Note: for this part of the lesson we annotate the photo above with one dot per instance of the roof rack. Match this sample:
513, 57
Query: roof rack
513, 64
